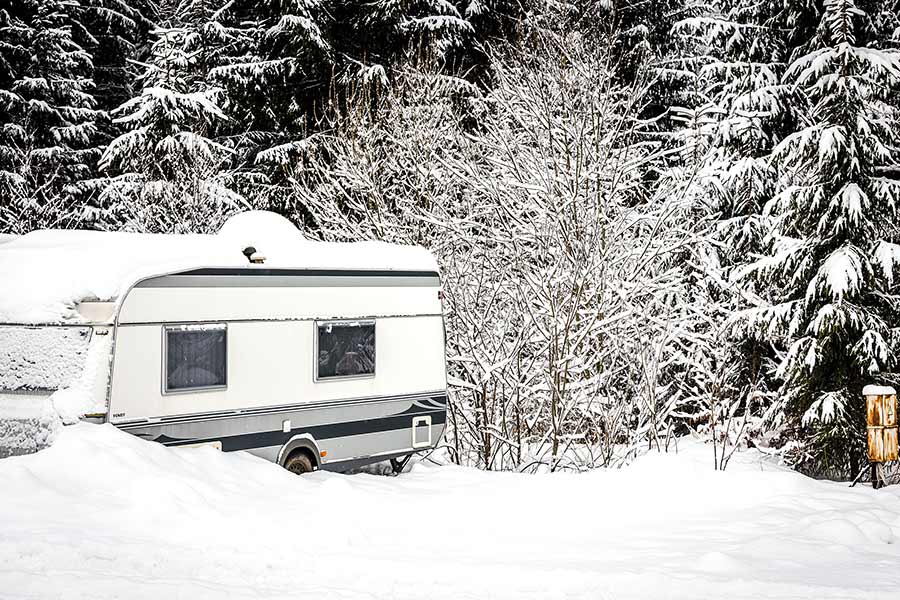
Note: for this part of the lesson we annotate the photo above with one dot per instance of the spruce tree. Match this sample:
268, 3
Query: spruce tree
168, 169
403, 32
833, 255
731, 58
48, 136
277, 65
276, 73
115, 32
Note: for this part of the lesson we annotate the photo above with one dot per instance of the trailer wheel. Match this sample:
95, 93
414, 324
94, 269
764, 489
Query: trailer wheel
299, 463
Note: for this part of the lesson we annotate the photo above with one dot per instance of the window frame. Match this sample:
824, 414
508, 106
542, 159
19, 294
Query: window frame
165, 358
360, 322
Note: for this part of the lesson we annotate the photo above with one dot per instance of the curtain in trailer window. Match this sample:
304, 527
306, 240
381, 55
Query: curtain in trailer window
346, 349
195, 358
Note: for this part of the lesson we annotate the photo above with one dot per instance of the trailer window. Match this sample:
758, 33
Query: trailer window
195, 357
346, 349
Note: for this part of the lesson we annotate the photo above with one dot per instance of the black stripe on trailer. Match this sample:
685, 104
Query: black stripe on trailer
264, 439
267, 272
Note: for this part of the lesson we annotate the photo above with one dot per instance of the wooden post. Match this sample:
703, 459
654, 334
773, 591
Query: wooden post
881, 428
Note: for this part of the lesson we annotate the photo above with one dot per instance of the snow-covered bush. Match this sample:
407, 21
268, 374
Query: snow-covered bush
568, 286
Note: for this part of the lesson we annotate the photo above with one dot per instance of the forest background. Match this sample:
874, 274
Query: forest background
652, 218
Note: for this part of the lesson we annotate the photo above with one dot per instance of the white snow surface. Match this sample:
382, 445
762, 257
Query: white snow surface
102, 514
46, 273
878, 390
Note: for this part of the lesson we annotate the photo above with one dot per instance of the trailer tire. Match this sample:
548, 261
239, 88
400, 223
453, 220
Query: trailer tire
299, 463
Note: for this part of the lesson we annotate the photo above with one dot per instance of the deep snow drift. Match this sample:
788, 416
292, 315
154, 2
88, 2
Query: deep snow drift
101, 514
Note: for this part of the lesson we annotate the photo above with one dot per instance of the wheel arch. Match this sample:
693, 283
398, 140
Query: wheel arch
302, 441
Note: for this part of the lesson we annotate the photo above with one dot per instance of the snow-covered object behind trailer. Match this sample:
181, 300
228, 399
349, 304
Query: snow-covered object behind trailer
38, 359
48, 376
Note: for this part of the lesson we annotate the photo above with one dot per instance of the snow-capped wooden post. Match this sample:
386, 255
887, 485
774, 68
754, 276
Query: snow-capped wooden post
881, 428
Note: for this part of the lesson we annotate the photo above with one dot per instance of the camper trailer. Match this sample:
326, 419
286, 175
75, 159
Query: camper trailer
312, 355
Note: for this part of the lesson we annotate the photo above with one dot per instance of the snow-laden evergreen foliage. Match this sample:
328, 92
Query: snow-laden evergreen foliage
832, 265
279, 66
167, 166
113, 32
436, 26
728, 71
48, 136
731, 68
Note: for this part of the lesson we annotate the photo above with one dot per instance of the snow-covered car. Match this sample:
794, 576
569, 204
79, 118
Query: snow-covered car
316, 355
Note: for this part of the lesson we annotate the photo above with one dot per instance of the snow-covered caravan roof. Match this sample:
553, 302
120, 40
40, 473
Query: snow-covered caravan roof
46, 274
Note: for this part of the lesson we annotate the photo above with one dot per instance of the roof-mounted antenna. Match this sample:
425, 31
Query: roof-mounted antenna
253, 256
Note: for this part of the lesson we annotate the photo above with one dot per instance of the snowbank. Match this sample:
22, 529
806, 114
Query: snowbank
46, 273
145, 521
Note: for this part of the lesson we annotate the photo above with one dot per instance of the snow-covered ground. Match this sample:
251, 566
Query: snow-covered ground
101, 514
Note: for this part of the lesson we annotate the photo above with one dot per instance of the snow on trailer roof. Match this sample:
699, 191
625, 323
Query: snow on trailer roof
46, 273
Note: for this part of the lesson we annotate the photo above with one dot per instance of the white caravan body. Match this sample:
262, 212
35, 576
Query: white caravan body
335, 350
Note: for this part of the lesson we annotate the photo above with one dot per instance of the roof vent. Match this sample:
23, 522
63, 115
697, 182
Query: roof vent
253, 256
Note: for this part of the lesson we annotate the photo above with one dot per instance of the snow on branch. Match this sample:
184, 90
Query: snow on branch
840, 275
887, 256
158, 101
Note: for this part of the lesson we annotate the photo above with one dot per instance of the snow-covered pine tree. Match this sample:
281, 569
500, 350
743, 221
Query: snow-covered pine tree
403, 31
731, 60
48, 131
279, 63
734, 60
728, 64
168, 169
276, 73
114, 32
733, 55
833, 261
641, 36
373, 41
492, 21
